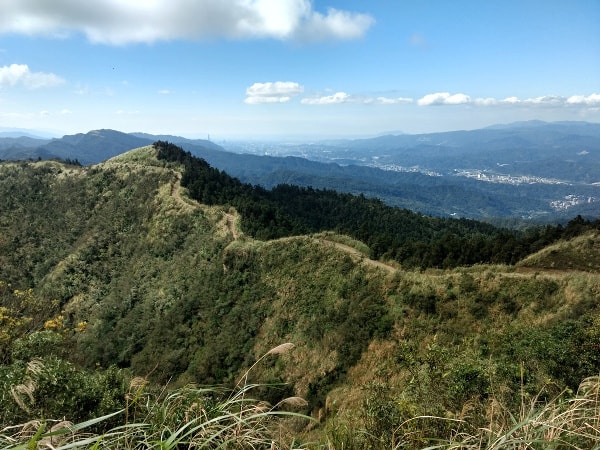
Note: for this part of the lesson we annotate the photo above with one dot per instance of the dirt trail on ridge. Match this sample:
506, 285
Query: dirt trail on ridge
189, 203
358, 255
230, 220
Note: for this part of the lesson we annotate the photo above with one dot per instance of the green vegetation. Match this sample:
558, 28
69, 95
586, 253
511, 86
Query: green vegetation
393, 233
136, 270
188, 417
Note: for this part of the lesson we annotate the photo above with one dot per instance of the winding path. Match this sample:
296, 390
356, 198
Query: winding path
358, 255
188, 203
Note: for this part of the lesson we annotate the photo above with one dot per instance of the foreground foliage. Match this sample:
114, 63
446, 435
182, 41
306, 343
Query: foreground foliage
189, 417
565, 421
193, 417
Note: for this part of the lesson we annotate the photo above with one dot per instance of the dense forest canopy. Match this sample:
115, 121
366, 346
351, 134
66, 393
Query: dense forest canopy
392, 233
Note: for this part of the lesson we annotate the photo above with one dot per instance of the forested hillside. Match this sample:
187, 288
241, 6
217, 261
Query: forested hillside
545, 172
411, 239
156, 265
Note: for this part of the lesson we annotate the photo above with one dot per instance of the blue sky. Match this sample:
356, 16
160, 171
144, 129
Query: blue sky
278, 68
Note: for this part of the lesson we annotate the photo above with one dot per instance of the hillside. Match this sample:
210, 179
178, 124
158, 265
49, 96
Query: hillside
581, 253
142, 266
538, 171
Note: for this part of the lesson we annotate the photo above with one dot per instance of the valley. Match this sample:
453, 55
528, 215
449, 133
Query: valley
535, 171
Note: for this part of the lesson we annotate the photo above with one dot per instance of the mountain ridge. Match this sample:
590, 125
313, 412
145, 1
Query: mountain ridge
544, 171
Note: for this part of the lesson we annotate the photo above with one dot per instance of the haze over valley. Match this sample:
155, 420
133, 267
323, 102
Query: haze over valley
527, 170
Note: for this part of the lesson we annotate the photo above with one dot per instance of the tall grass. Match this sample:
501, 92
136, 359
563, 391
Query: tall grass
219, 418
565, 422
561, 423
188, 417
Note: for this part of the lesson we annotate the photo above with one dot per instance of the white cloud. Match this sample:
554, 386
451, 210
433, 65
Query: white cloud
338, 97
443, 98
590, 100
19, 74
511, 100
335, 24
272, 92
545, 100
66, 111
165, 92
392, 101
548, 100
489, 101
82, 89
343, 97
123, 22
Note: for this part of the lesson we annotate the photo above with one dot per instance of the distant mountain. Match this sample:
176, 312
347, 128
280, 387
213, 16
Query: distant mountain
547, 171
14, 146
17, 134
525, 169
89, 148
94, 146
555, 138
204, 143
25, 132
537, 123
21, 142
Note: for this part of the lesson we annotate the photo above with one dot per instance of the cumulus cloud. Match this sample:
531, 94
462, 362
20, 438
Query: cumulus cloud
392, 101
443, 98
549, 100
545, 100
338, 97
281, 92
511, 100
335, 24
590, 100
123, 22
446, 98
343, 97
19, 74
489, 101
272, 92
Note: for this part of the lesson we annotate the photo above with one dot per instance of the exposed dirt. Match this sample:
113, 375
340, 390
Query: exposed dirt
229, 218
176, 193
230, 223
358, 255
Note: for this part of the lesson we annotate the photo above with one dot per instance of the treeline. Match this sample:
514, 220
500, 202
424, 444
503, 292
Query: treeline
407, 237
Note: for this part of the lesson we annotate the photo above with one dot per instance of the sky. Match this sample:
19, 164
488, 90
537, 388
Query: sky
254, 69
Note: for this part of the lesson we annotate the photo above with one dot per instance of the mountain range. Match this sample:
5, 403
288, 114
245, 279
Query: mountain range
528, 170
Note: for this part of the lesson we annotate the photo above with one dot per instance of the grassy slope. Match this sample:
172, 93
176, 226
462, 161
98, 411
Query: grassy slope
581, 253
173, 288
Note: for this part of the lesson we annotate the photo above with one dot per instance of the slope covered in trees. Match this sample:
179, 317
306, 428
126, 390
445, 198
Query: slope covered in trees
393, 233
112, 271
